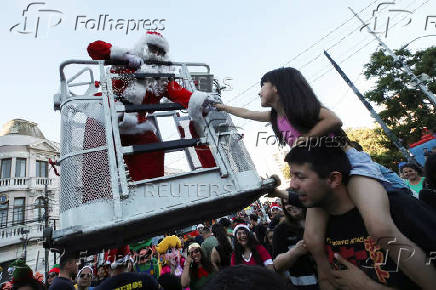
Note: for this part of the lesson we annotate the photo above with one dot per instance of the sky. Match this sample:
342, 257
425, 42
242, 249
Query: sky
240, 40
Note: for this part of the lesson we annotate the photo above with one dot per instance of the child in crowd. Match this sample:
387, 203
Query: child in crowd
297, 117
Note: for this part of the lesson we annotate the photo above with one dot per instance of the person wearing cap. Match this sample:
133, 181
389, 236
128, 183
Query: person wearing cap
22, 277
52, 274
67, 270
199, 238
135, 128
197, 269
84, 278
247, 250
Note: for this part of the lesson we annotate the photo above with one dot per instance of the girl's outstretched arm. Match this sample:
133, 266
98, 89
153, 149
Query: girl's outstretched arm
328, 123
260, 116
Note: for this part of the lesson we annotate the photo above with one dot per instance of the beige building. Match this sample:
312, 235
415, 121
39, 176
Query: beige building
25, 175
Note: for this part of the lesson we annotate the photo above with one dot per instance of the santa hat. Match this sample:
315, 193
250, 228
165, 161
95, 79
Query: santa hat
155, 38
55, 269
275, 205
240, 226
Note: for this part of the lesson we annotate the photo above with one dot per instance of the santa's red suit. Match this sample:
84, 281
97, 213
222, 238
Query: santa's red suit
135, 129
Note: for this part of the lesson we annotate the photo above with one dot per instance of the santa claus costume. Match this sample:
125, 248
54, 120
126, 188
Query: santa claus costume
135, 128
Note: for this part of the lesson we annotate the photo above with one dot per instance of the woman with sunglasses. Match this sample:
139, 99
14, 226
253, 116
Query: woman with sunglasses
197, 269
247, 250
84, 278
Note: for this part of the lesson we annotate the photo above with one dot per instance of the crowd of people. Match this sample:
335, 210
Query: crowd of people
345, 222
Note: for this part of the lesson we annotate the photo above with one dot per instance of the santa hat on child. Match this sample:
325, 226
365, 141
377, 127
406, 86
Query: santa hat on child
275, 205
240, 226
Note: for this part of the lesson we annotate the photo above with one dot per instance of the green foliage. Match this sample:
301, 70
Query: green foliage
405, 109
377, 145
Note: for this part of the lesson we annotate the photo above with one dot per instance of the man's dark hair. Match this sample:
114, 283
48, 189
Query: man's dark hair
322, 157
254, 217
242, 277
64, 259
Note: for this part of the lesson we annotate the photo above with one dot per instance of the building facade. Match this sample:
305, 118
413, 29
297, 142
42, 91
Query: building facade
26, 179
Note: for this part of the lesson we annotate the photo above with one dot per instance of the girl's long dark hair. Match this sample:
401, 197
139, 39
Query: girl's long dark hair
251, 243
221, 235
205, 263
300, 103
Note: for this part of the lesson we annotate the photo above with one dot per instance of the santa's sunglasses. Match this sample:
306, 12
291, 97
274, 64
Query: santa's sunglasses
156, 49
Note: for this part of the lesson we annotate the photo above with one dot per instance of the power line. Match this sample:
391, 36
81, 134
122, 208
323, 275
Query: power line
307, 49
368, 43
332, 46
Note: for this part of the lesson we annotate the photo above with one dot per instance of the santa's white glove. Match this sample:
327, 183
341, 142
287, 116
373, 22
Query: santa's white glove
134, 60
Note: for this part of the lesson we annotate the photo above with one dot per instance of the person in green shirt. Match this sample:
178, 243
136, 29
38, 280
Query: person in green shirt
414, 179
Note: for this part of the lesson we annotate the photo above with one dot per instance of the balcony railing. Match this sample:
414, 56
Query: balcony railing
25, 183
13, 234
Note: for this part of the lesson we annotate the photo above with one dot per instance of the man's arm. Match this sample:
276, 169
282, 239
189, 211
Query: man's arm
286, 260
353, 278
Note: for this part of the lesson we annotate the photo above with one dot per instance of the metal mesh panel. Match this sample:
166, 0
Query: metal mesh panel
230, 141
85, 176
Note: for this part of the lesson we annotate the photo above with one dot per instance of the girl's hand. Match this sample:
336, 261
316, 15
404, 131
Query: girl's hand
220, 107
188, 261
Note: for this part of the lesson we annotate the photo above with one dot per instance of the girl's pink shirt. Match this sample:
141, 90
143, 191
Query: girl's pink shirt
289, 133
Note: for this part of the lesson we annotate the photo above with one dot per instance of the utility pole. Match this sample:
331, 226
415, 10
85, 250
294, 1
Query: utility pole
46, 225
374, 114
415, 79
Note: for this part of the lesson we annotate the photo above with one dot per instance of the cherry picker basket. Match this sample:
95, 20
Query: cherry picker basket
100, 207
